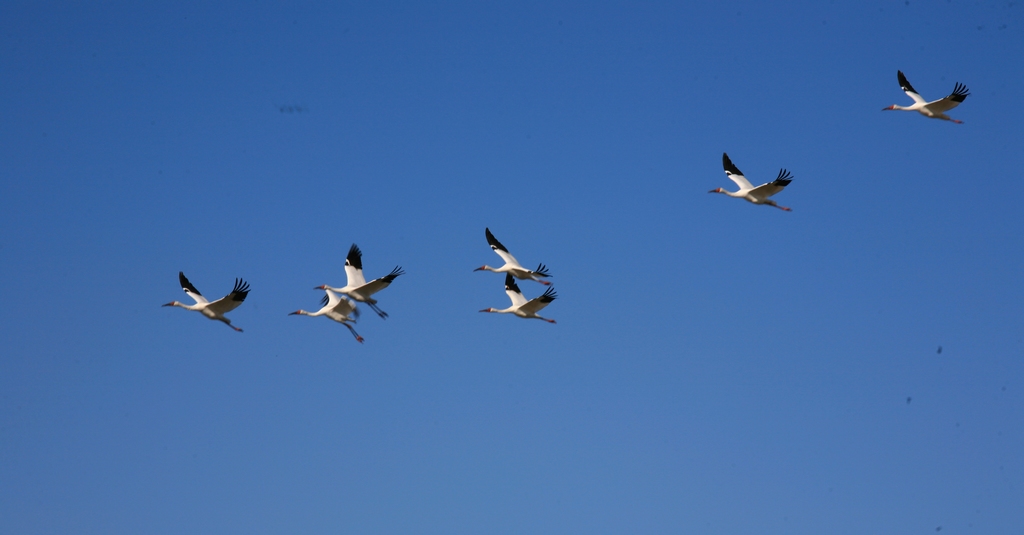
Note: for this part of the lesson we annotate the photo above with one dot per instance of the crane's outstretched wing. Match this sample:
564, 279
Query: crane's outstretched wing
534, 305
735, 174
951, 101
231, 301
346, 308
377, 285
354, 267
191, 290
338, 308
329, 299
497, 247
908, 89
513, 291
771, 188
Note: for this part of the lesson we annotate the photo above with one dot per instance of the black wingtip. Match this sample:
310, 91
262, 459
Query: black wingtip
394, 273
783, 179
493, 242
729, 167
960, 92
241, 290
186, 285
510, 284
542, 270
904, 84
549, 295
323, 300
355, 257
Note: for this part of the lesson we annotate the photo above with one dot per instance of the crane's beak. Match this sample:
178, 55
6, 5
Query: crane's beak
887, 108
714, 190
168, 304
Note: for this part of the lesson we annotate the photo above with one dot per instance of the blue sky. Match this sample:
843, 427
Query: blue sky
717, 367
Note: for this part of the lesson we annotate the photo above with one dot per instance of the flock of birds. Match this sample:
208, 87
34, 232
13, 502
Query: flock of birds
339, 304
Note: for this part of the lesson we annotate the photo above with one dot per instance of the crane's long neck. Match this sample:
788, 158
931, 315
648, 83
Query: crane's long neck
723, 191
196, 306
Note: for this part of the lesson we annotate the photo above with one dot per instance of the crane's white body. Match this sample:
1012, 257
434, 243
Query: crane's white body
520, 306
758, 195
935, 109
338, 309
356, 287
214, 310
512, 266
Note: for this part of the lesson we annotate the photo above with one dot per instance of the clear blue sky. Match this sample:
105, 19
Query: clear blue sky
717, 367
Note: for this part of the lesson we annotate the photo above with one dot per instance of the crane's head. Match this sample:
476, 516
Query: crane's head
172, 304
298, 313
893, 107
481, 268
488, 310
717, 190
321, 287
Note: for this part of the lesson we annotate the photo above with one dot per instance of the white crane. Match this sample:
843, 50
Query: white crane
520, 306
357, 287
935, 109
214, 310
758, 195
512, 265
336, 308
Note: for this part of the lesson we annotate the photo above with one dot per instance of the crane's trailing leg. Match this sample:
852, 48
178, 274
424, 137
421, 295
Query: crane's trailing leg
379, 312
228, 323
354, 333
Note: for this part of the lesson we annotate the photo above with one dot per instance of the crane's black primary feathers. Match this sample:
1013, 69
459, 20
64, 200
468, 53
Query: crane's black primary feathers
241, 290
904, 84
355, 257
323, 300
959, 93
548, 296
186, 285
510, 284
783, 179
495, 244
542, 270
729, 167
394, 273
